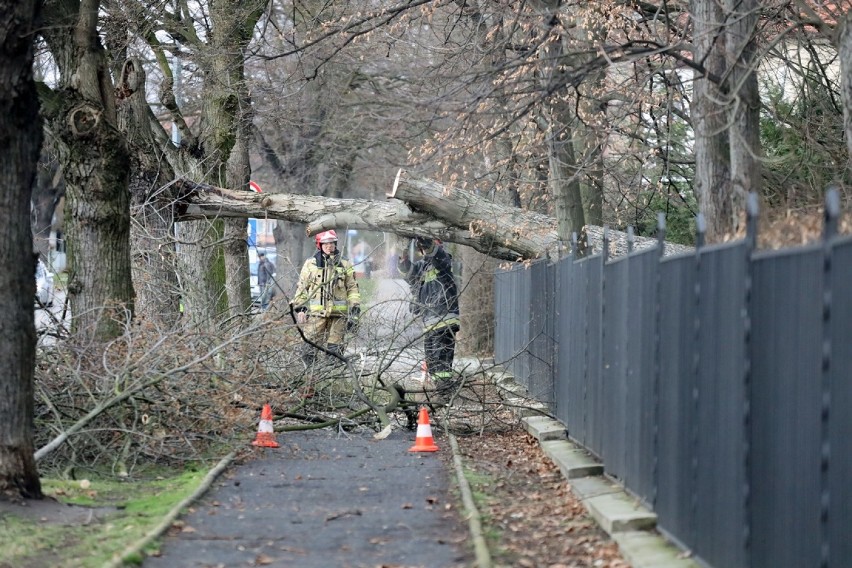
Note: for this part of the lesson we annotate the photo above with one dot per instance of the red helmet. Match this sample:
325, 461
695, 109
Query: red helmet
326, 237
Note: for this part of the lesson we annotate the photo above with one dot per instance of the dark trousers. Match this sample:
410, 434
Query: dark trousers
440, 346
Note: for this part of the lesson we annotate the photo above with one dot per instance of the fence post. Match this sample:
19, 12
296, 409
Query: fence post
752, 212
630, 239
658, 349
700, 232
832, 213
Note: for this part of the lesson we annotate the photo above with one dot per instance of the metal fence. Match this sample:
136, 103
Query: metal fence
716, 386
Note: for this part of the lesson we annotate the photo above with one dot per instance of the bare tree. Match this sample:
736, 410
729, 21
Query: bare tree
20, 142
82, 123
844, 48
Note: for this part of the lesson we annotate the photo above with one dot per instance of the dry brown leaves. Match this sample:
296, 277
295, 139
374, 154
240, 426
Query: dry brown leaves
530, 504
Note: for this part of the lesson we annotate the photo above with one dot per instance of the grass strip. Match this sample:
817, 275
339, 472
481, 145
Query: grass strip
133, 553
480, 548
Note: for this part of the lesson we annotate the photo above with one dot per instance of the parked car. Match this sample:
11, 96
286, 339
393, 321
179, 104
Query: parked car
44, 286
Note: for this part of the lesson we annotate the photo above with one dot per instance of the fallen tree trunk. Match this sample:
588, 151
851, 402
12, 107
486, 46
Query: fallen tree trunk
414, 207
529, 234
200, 200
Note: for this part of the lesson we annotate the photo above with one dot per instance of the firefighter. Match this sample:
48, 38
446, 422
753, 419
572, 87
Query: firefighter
436, 303
327, 298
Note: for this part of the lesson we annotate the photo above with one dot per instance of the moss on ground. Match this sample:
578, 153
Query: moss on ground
93, 520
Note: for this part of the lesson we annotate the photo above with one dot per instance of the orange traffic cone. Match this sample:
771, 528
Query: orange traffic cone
423, 442
265, 434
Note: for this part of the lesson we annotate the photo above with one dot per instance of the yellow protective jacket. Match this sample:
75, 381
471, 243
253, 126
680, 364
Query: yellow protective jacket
327, 286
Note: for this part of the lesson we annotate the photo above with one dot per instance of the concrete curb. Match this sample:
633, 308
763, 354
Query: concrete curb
631, 525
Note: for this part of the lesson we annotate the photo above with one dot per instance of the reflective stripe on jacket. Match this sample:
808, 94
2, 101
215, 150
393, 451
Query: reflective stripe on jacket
434, 288
327, 286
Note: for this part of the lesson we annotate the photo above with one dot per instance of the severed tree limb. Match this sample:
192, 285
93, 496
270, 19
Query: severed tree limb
529, 234
200, 200
414, 207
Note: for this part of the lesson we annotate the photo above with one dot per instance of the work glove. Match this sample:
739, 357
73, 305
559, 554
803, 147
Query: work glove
354, 316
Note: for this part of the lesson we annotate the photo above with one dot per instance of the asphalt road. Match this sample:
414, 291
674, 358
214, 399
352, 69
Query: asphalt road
324, 500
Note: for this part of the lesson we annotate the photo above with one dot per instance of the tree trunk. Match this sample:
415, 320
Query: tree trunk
294, 247
476, 316
97, 205
20, 142
152, 240
844, 52
476, 303
95, 164
226, 130
563, 175
744, 133
47, 196
237, 285
201, 270
712, 146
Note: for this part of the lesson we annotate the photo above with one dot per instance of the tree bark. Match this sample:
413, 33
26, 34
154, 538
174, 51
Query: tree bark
20, 142
223, 280
419, 207
712, 144
152, 239
744, 132
844, 52
46, 199
95, 164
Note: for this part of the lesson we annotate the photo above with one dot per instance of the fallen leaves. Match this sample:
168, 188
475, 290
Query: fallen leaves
526, 499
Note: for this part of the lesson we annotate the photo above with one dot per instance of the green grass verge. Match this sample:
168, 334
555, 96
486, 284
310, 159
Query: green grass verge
136, 507
479, 484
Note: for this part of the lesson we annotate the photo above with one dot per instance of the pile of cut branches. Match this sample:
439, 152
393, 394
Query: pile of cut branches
152, 399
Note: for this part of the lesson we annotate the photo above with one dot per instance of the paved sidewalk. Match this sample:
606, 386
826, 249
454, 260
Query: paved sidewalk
327, 499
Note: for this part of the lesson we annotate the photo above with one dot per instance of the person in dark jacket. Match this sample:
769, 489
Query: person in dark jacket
436, 302
265, 280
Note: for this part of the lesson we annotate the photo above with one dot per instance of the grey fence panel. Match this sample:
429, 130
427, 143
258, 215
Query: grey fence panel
571, 387
678, 418
840, 417
738, 432
542, 344
521, 366
503, 324
640, 373
518, 309
720, 475
512, 320
785, 392
614, 358
596, 406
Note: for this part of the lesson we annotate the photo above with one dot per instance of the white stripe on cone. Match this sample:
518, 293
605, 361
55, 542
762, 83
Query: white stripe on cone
424, 431
265, 427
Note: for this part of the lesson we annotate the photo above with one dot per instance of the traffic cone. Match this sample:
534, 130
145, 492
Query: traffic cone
423, 442
265, 434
